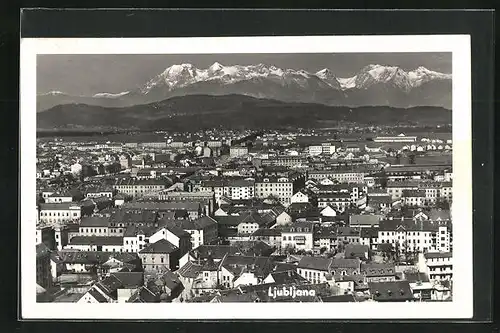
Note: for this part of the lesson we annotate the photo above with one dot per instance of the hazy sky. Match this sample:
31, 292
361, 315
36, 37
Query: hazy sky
90, 74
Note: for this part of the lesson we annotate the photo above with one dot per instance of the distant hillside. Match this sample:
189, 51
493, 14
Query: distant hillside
197, 112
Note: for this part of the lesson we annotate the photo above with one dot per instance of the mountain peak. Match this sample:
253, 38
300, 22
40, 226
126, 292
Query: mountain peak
324, 71
216, 66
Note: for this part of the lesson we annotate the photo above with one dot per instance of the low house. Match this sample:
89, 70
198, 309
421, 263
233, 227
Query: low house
159, 255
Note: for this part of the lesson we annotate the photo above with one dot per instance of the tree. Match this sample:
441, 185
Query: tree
411, 158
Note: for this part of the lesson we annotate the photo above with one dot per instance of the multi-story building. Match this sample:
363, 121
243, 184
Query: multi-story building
399, 138
282, 188
409, 235
43, 266
240, 189
51, 213
437, 265
59, 197
298, 235
340, 176
207, 198
315, 150
416, 198
155, 145
286, 161
138, 188
238, 151
338, 201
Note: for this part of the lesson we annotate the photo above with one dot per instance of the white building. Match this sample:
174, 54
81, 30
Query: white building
298, 236
238, 151
299, 197
437, 265
59, 212
410, 235
280, 187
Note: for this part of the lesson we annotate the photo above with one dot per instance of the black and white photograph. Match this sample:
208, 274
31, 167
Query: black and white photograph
301, 172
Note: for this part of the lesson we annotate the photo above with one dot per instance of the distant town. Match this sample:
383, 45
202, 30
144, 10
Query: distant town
296, 215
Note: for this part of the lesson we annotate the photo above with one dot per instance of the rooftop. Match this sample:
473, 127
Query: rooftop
96, 240
161, 246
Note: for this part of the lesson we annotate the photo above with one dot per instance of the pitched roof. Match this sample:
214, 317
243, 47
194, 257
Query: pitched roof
365, 219
161, 246
287, 277
430, 255
163, 206
96, 240
390, 291
376, 269
266, 232
130, 279
190, 270
345, 263
416, 277
97, 296
354, 250
408, 225
317, 263
109, 285
94, 221
59, 206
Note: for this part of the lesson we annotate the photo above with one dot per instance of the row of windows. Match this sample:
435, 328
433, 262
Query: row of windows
410, 233
58, 214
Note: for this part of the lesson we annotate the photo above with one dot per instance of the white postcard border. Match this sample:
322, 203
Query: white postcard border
459, 45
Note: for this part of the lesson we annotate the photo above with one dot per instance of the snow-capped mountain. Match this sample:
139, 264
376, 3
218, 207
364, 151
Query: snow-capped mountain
406, 81
109, 95
183, 75
374, 84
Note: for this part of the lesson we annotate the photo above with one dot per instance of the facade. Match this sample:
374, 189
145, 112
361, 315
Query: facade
43, 266
298, 235
399, 138
280, 187
413, 236
340, 176
437, 265
138, 188
238, 151
51, 213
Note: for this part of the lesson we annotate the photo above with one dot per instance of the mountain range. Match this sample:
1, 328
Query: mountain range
375, 85
201, 112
